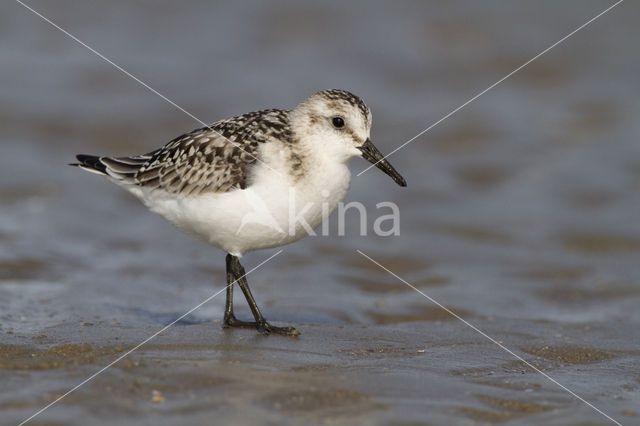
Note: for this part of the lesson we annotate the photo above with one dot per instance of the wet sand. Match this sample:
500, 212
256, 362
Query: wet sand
415, 372
520, 216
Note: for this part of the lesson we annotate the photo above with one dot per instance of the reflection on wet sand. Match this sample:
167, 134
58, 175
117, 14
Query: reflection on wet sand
418, 313
385, 286
13, 357
593, 243
504, 409
568, 354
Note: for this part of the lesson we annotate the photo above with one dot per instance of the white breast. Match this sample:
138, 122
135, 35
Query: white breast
276, 208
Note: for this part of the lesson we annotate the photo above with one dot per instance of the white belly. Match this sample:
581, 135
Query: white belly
271, 212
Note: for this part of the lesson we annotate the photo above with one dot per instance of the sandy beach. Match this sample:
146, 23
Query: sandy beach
520, 216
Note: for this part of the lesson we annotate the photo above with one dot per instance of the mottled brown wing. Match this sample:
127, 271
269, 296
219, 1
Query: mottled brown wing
198, 162
210, 159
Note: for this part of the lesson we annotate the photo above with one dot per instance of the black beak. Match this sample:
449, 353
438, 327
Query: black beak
375, 157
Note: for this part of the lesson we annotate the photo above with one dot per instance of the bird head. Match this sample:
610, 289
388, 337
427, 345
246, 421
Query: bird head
341, 122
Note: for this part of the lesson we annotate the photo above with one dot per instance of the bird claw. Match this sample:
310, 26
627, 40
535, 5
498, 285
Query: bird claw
263, 327
266, 329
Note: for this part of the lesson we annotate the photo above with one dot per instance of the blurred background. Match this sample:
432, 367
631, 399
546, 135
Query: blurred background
521, 211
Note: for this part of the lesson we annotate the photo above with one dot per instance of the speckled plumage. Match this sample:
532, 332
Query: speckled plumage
259, 180
253, 181
210, 159
216, 158
348, 97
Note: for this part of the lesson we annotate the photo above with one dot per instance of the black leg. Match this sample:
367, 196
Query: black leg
229, 318
235, 272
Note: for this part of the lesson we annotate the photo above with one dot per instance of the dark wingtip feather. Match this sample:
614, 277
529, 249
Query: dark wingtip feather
91, 163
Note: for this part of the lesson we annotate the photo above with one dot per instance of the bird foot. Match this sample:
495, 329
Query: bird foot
266, 329
263, 327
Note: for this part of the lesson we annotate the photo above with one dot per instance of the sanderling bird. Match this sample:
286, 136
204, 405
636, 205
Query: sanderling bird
233, 183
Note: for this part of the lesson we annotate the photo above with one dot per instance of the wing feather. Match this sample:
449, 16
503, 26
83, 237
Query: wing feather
210, 159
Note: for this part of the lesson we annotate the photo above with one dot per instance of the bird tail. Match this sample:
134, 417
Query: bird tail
90, 163
122, 169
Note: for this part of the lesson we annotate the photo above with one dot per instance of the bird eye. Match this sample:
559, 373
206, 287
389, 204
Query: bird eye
338, 122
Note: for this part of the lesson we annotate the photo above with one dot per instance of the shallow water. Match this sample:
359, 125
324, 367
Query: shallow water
520, 216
